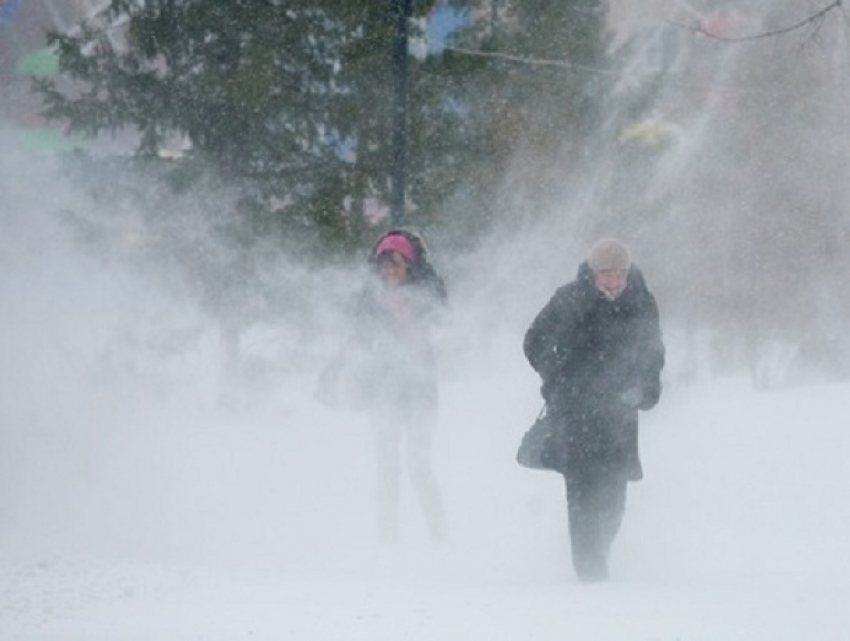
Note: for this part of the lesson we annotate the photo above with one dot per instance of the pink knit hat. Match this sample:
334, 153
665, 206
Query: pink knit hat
396, 243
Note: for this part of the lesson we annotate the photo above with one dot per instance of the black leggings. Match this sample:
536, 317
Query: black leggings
596, 503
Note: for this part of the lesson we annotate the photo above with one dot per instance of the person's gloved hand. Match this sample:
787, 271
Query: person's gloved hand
632, 397
651, 393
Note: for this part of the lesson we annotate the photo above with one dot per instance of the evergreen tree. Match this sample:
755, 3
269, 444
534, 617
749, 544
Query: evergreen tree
291, 99
294, 100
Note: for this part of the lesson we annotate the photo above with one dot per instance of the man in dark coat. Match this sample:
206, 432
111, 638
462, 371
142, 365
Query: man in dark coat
598, 349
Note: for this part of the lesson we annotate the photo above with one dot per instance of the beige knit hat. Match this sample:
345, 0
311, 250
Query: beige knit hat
607, 254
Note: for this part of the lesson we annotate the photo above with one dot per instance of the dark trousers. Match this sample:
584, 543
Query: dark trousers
596, 503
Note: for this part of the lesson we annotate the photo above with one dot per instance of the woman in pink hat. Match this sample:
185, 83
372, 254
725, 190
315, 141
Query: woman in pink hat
394, 318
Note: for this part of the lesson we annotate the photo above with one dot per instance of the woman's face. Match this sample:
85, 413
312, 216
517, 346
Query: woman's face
393, 268
611, 282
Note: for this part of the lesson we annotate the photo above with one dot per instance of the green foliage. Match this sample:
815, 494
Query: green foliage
260, 90
293, 102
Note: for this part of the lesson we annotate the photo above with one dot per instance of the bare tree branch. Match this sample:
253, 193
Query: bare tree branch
671, 82
542, 62
814, 19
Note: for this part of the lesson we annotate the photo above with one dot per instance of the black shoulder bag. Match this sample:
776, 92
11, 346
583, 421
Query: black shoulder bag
533, 447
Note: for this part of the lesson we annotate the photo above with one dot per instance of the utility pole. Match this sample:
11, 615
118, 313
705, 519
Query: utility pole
402, 11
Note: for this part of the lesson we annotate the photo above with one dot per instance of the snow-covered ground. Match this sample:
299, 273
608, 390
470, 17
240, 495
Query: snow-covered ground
123, 521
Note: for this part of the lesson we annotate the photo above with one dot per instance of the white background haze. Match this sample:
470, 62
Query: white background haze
150, 492
134, 506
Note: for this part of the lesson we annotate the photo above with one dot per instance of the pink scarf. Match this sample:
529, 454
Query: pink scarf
397, 303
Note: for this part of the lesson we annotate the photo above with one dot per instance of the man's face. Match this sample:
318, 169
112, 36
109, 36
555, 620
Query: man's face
611, 282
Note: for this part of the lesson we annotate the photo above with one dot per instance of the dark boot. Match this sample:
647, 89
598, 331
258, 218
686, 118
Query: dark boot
590, 568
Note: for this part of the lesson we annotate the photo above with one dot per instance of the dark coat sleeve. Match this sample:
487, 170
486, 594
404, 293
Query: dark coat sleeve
648, 342
653, 355
543, 345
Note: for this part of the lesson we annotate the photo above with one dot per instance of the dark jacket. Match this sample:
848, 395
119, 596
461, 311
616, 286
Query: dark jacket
600, 361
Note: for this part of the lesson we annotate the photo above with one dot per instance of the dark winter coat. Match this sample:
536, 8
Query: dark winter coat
600, 361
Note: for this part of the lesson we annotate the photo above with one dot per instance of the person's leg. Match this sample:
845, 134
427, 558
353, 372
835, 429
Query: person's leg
596, 503
388, 466
612, 505
420, 433
585, 544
